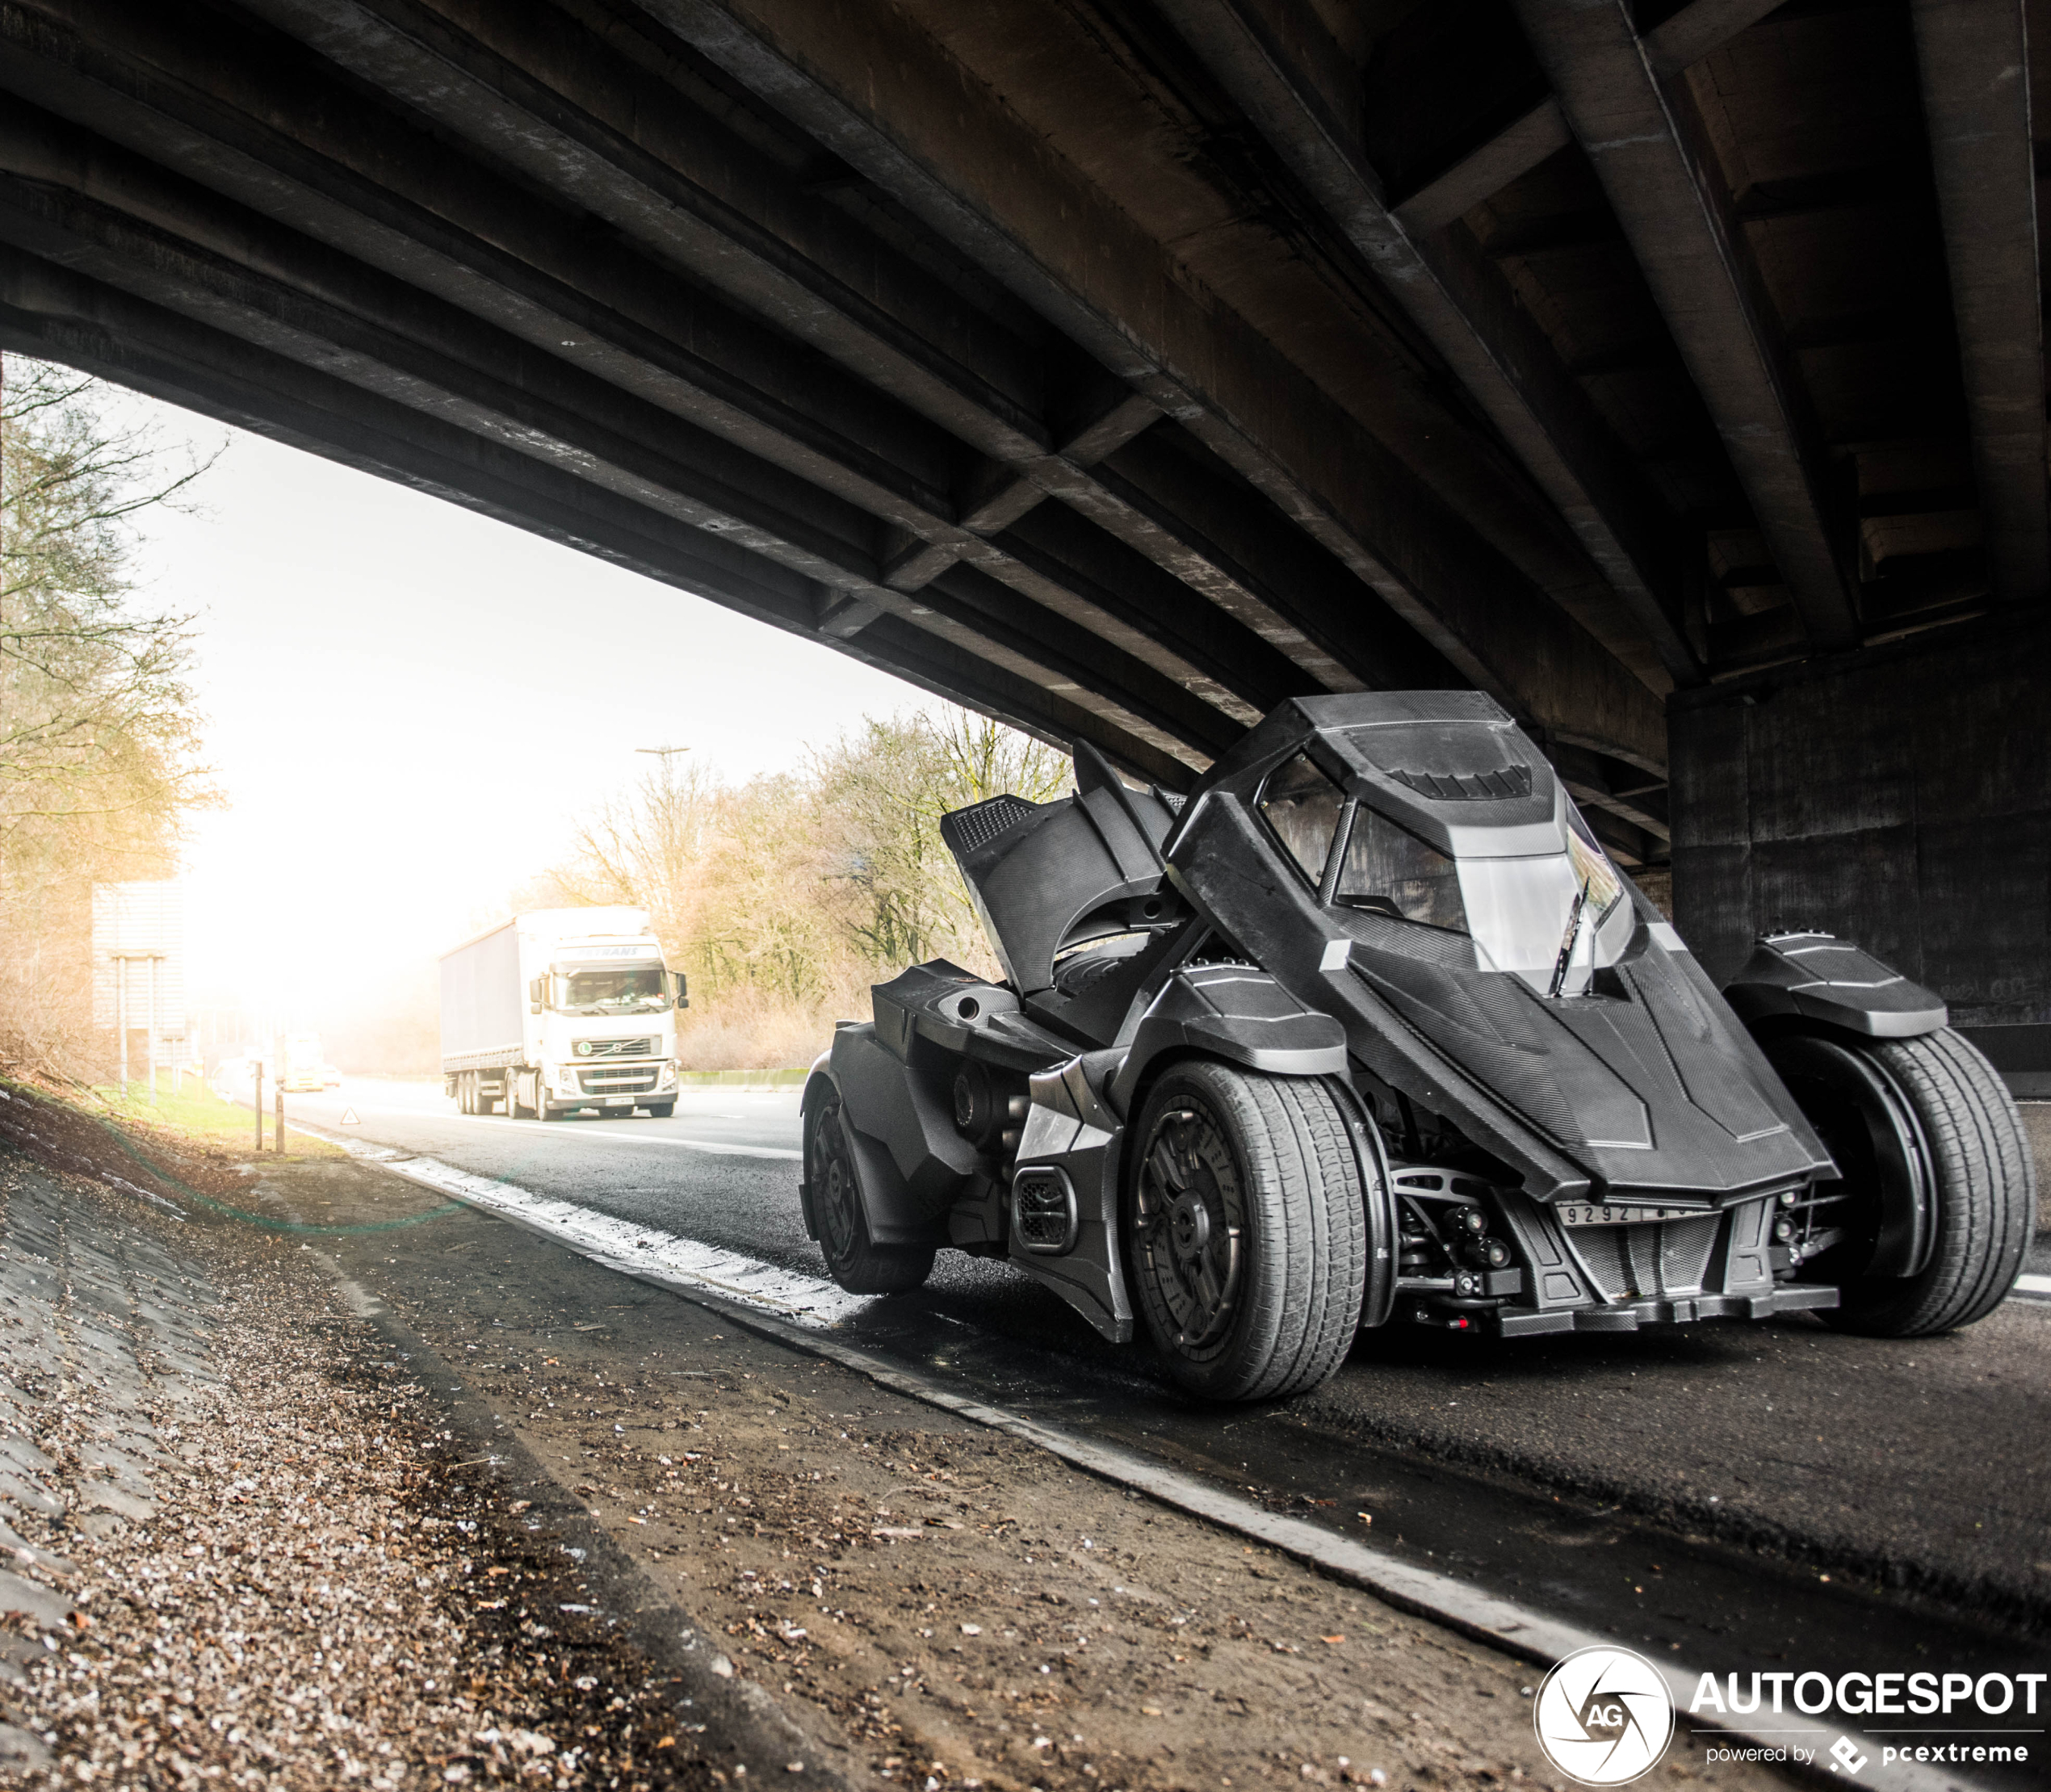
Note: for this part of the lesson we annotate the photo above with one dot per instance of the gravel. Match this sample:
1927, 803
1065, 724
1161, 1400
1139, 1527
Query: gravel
237, 1558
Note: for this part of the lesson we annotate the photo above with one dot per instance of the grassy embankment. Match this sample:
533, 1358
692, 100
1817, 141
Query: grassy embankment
196, 1114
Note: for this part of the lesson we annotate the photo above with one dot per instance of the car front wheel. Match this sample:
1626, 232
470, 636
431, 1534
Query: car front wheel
1925, 1230
1247, 1230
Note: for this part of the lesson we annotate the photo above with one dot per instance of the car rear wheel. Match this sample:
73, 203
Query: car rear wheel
1938, 1195
1246, 1231
858, 1265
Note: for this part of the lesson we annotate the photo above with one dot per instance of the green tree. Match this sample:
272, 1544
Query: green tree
785, 898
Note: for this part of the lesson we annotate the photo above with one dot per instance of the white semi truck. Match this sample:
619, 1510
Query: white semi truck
560, 1010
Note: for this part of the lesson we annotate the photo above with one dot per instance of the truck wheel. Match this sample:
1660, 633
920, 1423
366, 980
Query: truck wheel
1246, 1229
542, 1110
661, 1110
859, 1266
515, 1107
1938, 1194
466, 1092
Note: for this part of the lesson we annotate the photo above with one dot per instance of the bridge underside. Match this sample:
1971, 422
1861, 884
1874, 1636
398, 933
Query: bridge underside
1123, 367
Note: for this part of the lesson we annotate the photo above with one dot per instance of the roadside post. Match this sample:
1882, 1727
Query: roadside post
257, 1103
121, 1016
149, 1050
278, 1131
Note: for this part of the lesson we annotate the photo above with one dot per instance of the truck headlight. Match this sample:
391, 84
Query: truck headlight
566, 1078
667, 1080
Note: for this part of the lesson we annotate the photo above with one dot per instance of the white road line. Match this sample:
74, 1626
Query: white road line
641, 1250
2033, 1284
797, 1309
607, 1134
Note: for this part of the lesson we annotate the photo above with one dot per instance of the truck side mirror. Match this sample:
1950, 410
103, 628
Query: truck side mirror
683, 991
533, 996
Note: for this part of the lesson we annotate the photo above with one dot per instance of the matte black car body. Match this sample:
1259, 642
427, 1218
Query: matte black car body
1593, 1139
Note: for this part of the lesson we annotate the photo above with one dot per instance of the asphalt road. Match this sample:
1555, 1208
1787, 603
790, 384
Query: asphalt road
1905, 1468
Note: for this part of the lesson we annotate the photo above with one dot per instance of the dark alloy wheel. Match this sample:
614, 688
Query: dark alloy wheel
1247, 1230
1925, 1230
857, 1265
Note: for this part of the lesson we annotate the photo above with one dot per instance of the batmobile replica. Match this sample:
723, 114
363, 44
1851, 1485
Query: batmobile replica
1369, 1029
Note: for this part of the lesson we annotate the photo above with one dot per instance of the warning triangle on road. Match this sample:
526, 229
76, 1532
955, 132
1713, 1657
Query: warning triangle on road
349, 1118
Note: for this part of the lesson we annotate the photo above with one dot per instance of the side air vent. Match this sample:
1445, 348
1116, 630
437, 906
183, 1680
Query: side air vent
1043, 1214
964, 830
1480, 786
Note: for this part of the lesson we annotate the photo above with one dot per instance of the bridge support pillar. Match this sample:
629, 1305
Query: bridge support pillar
1900, 796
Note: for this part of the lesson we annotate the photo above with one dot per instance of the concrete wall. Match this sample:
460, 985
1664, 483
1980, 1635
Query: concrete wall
1900, 796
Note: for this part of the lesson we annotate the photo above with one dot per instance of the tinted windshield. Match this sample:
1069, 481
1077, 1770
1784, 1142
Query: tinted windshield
1301, 805
621, 992
1518, 911
1389, 870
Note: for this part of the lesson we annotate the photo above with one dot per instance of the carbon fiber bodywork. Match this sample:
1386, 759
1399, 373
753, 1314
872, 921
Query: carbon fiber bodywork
1604, 1148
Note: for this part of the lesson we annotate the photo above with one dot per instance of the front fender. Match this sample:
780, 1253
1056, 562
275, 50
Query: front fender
1236, 1012
1833, 983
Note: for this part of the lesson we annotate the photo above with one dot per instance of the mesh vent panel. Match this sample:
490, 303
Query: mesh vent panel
964, 830
1684, 1247
1602, 1249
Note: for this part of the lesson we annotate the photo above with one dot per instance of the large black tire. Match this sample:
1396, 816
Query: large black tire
661, 1110
1965, 1144
852, 1259
1247, 1230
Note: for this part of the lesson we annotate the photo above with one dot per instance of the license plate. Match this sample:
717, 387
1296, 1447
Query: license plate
1582, 1214
619, 1101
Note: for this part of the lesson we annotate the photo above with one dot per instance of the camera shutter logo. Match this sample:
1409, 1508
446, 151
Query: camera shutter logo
1604, 1716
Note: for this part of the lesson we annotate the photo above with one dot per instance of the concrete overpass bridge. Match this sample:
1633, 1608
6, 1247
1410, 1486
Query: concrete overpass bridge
1121, 367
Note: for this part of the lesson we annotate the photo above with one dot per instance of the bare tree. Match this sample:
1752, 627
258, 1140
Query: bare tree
786, 896
98, 735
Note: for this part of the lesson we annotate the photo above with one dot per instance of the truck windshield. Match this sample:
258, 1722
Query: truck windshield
623, 991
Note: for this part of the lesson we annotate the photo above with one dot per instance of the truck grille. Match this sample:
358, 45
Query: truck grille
620, 1048
624, 1081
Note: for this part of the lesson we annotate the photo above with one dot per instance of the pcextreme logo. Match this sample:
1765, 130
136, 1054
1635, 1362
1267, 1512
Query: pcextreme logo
1604, 1716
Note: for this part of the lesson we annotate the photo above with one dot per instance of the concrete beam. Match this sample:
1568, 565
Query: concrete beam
1461, 302
1974, 60
1691, 31
1485, 170
889, 101
1644, 142
613, 138
62, 313
630, 352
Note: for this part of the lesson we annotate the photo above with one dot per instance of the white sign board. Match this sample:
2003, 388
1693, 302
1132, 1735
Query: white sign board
130, 920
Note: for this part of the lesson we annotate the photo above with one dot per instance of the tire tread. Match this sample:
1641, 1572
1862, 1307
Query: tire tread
1986, 1188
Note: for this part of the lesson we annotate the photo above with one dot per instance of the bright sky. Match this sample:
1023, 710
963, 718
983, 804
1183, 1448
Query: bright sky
408, 705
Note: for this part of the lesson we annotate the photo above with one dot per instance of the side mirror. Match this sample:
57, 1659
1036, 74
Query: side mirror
536, 988
683, 991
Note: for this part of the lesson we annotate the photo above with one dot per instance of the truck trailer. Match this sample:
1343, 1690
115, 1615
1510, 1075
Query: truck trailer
560, 1011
